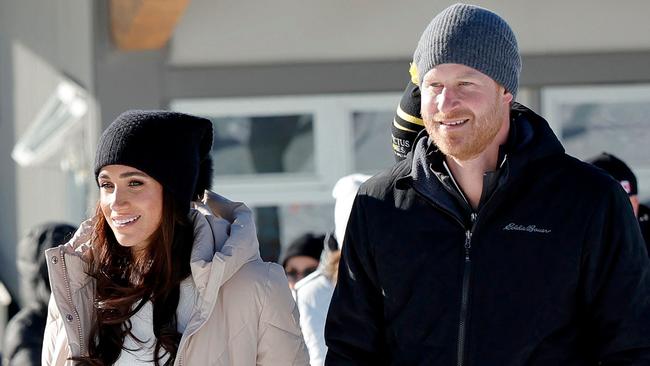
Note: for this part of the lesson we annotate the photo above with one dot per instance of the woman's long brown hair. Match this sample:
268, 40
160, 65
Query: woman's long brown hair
126, 280
331, 267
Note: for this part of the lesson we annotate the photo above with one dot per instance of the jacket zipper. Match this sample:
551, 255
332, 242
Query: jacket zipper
69, 295
464, 306
467, 270
464, 302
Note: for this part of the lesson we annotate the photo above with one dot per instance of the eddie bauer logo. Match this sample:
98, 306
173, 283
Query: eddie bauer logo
530, 228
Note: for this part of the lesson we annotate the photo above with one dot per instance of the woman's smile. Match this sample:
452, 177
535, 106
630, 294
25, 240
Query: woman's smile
132, 204
124, 221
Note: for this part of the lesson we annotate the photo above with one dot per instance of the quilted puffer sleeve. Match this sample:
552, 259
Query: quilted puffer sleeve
280, 340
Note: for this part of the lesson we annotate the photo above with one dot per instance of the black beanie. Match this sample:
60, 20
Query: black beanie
309, 245
617, 169
407, 122
172, 148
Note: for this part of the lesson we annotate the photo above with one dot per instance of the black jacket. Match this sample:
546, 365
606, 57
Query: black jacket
644, 222
551, 270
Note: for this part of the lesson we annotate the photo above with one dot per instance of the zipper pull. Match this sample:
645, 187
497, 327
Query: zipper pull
468, 244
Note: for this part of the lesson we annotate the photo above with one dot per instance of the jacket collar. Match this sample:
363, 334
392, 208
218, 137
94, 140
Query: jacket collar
224, 240
530, 139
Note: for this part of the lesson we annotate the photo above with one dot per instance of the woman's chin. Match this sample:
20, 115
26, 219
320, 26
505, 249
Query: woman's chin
126, 242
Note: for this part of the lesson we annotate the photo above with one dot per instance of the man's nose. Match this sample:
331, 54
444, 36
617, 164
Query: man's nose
447, 100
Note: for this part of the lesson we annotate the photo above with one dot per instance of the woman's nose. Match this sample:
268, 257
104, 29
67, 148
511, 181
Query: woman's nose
118, 200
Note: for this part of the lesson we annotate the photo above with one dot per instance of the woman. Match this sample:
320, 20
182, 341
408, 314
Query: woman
314, 292
150, 280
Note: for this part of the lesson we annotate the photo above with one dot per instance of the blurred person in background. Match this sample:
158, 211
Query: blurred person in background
314, 292
302, 257
166, 272
407, 123
24, 332
624, 175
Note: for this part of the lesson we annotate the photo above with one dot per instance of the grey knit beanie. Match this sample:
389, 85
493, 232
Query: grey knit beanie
471, 36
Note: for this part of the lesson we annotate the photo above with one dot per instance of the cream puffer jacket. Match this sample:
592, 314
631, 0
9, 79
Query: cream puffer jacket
246, 314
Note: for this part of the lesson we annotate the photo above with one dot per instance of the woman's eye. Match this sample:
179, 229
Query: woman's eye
105, 185
135, 183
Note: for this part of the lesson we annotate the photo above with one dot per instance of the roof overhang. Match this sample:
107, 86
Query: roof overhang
144, 24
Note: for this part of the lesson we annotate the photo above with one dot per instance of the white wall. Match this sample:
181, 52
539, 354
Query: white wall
41, 42
44, 192
234, 32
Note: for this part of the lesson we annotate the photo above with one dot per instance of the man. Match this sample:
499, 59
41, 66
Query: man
487, 245
624, 175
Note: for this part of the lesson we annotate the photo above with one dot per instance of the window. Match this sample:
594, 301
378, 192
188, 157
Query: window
613, 118
370, 134
282, 155
263, 144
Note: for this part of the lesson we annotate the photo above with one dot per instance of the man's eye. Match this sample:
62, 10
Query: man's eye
464, 83
435, 87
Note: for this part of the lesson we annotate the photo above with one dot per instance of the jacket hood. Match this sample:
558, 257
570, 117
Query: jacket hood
534, 139
531, 139
34, 284
224, 240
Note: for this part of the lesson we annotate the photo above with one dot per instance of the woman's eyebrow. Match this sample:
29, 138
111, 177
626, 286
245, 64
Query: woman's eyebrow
133, 174
124, 175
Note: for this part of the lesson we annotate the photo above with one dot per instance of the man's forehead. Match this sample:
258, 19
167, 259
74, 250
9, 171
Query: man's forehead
455, 70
